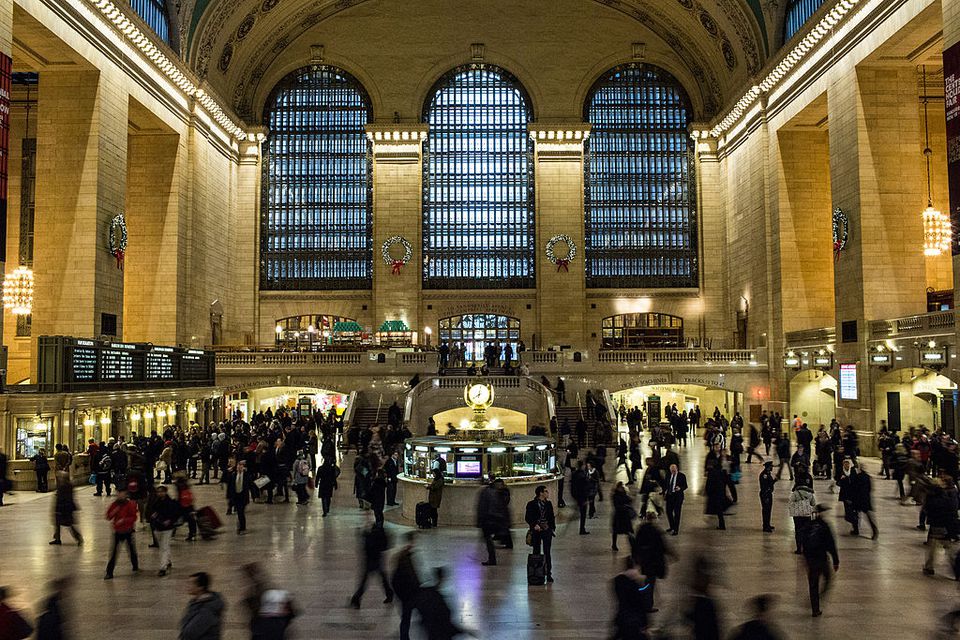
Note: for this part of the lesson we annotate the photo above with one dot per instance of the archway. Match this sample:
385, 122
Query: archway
656, 397
303, 400
915, 397
309, 332
474, 331
510, 421
813, 397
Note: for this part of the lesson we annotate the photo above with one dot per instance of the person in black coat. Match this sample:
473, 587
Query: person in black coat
634, 600
3, 475
848, 495
863, 499
767, 484
52, 623
406, 584
238, 484
377, 494
492, 517
540, 518
327, 474
375, 544
64, 507
759, 627
819, 546
623, 513
716, 490
392, 469
649, 551
675, 485
581, 488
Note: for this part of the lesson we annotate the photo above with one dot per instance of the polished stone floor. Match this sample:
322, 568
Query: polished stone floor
879, 591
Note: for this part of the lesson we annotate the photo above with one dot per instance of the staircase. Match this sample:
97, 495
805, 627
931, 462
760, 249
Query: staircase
571, 413
363, 418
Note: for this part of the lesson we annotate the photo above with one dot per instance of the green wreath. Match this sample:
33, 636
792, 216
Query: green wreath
118, 238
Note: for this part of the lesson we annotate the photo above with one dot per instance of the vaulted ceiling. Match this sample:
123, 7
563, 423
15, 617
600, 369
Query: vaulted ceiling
239, 46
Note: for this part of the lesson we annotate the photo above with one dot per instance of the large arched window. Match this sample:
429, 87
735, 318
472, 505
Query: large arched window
640, 201
798, 12
478, 223
154, 13
316, 213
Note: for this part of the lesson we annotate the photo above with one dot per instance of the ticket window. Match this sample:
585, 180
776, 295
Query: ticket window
32, 436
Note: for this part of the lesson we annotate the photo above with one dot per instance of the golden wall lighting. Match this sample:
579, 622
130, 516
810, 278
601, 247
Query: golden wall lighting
937, 230
18, 291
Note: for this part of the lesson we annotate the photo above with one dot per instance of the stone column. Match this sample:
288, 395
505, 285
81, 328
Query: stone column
561, 292
397, 211
713, 241
876, 170
153, 215
81, 186
245, 237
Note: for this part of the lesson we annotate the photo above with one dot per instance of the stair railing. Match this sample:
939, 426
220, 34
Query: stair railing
379, 405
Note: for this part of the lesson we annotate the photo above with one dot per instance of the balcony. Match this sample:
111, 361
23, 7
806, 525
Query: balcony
343, 362
926, 325
811, 337
666, 359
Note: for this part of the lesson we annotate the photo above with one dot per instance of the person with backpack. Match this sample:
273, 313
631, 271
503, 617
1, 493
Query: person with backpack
819, 546
103, 467
301, 477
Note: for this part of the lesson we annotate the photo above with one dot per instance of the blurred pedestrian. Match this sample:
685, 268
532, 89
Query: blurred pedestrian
759, 627
163, 521
703, 611
64, 507
406, 584
649, 552
819, 546
52, 622
13, 626
122, 514
203, 618
274, 617
634, 596
375, 544
623, 514
327, 474
435, 613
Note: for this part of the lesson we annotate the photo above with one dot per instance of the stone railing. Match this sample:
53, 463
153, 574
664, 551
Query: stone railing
746, 357
334, 360
937, 323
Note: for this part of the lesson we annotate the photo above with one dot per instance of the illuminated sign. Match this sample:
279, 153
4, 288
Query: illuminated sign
848, 381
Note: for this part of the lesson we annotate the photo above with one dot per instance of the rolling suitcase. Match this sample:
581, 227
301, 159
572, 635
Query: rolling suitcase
208, 522
424, 516
536, 569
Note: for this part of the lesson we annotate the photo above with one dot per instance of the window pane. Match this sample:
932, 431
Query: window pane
798, 12
640, 202
316, 216
478, 222
154, 13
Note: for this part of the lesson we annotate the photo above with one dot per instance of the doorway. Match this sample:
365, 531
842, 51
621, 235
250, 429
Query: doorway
476, 330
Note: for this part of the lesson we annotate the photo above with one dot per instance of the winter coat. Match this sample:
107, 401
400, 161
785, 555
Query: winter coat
203, 618
716, 490
623, 513
801, 503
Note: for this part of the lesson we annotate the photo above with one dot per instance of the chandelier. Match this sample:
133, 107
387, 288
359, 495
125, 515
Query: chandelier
937, 230
18, 291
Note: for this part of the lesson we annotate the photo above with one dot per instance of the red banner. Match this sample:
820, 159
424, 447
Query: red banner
951, 95
6, 69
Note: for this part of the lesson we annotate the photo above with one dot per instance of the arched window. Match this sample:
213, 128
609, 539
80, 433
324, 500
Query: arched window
316, 213
641, 331
478, 224
640, 201
798, 12
154, 13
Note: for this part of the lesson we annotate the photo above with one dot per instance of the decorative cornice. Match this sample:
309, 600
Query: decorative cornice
165, 65
556, 142
396, 143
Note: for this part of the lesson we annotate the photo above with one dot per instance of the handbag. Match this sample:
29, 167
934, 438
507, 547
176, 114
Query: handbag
261, 482
529, 537
92, 479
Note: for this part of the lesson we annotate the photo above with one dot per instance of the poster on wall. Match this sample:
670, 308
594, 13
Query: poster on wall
848, 381
951, 96
6, 71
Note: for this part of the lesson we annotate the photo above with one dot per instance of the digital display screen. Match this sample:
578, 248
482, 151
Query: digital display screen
848, 381
468, 468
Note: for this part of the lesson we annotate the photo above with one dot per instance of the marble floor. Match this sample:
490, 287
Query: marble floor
879, 591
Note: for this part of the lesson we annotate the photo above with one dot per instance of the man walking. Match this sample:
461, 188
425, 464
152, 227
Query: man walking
238, 493
203, 618
819, 546
406, 585
580, 488
676, 486
375, 544
163, 521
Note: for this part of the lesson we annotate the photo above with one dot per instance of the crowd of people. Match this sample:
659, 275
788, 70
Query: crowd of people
278, 454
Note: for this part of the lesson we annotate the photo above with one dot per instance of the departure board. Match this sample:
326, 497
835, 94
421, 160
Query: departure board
72, 364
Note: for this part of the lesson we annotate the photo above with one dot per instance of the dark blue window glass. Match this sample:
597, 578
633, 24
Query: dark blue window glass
316, 212
640, 202
478, 221
154, 13
798, 12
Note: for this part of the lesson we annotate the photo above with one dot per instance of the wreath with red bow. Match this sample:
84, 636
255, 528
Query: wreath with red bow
396, 264
564, 262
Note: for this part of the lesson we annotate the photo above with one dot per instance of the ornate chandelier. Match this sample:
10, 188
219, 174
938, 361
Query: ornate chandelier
18, 291
937, 230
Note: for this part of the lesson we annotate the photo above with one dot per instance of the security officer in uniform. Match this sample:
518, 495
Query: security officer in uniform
767, 482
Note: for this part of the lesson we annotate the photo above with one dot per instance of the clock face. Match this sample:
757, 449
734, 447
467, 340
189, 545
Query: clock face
479, 394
